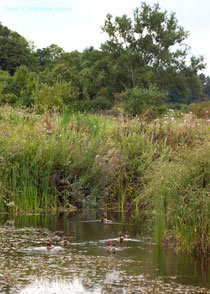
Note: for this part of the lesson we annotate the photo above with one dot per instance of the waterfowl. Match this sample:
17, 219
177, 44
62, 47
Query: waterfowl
127, 235
108, 243
104, 220
105, 214
121, 237
64, 242
50, 245
110, 248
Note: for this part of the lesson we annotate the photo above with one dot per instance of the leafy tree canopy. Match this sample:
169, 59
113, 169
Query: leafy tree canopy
14, 51
149, 48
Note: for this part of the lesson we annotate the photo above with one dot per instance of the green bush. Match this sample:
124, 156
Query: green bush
137, 100
201, 109
58, 95
11, 99
184, 108
100, 103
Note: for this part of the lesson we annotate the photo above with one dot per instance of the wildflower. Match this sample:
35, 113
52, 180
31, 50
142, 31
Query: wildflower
10, 204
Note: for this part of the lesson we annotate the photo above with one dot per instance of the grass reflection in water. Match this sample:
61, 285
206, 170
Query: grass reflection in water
84, 266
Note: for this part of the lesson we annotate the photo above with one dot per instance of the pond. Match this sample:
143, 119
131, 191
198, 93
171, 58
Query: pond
85, 266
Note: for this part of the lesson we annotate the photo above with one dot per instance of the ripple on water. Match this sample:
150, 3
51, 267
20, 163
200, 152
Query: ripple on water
73, 269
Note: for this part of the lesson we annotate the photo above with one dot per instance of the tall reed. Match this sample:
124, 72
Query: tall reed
158, 169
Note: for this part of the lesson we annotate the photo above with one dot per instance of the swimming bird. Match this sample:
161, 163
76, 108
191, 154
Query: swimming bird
110, 248
121, 237
50, 245
104, 220
64, 242
127, 235
108, 243
105, 214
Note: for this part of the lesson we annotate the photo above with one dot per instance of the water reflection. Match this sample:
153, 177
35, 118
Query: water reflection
58, 287
138, 266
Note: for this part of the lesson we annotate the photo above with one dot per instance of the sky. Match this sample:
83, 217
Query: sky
76, 24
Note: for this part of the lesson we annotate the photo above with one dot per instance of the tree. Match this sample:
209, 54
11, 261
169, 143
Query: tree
139, 99
14, 51
59, 95
26, 83
205, 81
148, 48
49, 55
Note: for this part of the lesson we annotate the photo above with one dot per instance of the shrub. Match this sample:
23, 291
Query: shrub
53, 96
138, 99
11, 99
184, 108
201, 109
100, 103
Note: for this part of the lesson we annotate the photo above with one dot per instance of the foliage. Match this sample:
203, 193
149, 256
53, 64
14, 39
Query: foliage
141, 51
138, 99
57, 95
184, 189
201, 110
100, 103
160, 169
14, 50
150, 47
206, 85
48, 56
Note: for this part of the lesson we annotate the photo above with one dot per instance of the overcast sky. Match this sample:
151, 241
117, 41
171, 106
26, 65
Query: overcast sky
76, 24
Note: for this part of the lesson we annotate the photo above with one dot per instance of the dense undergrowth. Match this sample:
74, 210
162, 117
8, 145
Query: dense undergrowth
159, 169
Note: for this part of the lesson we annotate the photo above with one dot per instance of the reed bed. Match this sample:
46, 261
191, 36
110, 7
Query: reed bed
159, 169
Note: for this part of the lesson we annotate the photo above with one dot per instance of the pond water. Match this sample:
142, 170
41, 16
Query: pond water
84, 266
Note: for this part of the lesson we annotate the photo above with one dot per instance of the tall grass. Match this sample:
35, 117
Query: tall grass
160, 206
158, 169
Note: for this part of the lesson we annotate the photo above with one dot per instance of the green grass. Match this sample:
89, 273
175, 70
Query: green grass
160, 170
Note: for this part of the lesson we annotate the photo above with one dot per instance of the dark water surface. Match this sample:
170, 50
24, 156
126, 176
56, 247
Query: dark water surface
84, 266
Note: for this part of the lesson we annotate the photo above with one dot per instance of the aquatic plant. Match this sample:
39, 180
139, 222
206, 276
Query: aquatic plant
61, 158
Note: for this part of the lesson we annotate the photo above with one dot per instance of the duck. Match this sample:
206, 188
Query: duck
105, 214
110, 248
64, 242
50, 245
104, 220
121, 237
108, 243
127, 235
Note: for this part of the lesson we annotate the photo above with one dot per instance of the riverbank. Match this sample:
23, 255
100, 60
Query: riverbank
159, 169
